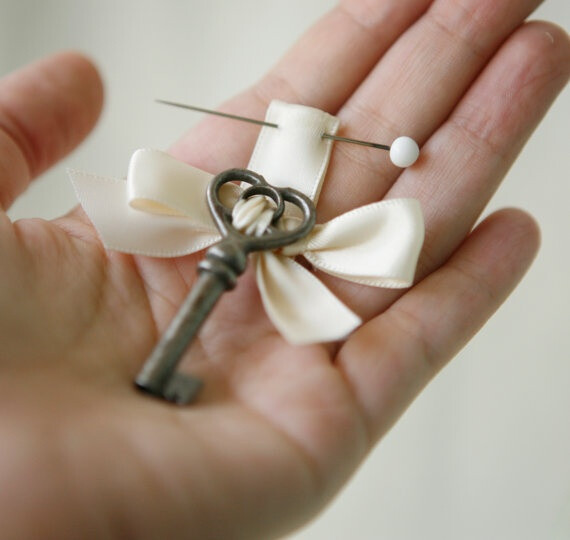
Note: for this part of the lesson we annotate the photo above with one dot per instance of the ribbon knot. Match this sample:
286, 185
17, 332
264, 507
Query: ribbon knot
252, 216
161, 211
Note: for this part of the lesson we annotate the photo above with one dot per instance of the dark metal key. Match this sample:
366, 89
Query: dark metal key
218, 272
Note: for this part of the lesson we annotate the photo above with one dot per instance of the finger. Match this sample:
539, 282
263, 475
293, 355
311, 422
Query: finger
465, 160
327, 64
46, 109
392, 357
321, 70
468, 157
413, 89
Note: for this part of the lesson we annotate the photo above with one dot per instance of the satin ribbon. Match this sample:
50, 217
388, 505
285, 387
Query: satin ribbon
161, 211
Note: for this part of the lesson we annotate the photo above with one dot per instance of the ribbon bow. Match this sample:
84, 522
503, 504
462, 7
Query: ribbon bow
161, 211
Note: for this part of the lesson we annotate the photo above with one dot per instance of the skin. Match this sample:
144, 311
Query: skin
277, 430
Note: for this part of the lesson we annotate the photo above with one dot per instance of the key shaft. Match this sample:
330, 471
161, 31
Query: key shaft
161, 364
218, 272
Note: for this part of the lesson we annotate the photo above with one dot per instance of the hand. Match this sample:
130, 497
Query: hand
277, 429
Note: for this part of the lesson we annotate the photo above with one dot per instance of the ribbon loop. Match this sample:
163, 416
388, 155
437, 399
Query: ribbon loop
377, 244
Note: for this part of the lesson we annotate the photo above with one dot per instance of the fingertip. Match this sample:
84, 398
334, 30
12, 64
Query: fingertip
549, 43
517, 223
554, 35
512, 237
46, 109
87, 71
76, 76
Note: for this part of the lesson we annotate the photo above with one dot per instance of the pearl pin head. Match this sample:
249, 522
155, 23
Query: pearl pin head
404, 152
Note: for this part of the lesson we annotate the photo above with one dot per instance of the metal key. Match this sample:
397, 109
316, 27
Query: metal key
218, 272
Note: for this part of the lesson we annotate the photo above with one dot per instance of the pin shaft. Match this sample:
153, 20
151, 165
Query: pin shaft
356, 141
217, 113
269, 124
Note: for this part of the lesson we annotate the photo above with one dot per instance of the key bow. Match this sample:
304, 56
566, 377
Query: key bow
275, 237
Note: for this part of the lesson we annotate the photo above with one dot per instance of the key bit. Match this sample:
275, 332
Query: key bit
218, 272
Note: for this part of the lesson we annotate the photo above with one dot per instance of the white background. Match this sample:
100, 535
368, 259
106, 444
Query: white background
484, 452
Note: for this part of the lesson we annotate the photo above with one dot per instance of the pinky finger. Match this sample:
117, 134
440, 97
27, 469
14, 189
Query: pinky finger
391, 358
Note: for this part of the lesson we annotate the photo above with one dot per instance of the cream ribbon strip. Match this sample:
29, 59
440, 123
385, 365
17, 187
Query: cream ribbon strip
161, 211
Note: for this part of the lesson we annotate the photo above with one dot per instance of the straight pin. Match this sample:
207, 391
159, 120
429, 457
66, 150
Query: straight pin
403, 152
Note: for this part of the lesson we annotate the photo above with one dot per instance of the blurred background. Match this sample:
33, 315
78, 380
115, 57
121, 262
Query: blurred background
484, 452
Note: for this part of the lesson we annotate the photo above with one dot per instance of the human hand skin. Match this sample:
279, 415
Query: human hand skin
278, 429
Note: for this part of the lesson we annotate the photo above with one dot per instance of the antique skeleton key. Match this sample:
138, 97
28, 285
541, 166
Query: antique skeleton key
218, 272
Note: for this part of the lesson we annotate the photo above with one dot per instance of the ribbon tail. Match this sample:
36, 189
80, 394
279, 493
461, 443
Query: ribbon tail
123, 228
299, 305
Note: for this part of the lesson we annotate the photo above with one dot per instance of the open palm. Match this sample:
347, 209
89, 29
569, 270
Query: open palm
277, 429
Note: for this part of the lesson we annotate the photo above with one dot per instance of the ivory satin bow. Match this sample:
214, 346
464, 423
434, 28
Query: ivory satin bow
161, 211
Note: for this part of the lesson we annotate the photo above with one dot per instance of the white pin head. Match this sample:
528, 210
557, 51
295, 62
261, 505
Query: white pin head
404, 152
